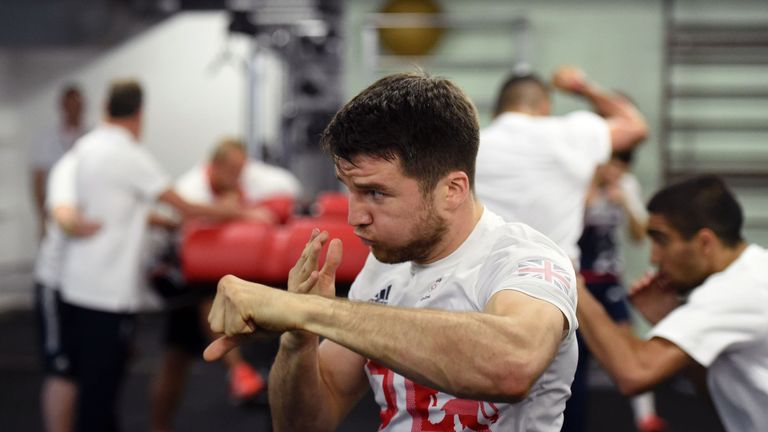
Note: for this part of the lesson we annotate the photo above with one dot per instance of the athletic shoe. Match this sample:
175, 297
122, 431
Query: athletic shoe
652, 423
245, 382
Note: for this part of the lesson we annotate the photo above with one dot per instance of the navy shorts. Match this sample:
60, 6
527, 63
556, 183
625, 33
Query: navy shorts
613, 297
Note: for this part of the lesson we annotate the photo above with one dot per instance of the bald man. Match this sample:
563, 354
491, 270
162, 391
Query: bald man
535, 168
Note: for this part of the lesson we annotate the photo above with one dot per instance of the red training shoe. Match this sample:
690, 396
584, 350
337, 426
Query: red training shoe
652, 423
245, 382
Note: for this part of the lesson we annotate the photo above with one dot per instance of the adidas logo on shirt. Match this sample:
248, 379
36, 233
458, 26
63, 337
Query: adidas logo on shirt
382, 296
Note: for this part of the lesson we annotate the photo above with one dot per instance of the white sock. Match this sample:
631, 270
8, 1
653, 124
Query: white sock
643, 406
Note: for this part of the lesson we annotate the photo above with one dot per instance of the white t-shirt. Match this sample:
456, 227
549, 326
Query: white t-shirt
52, 148
258, 179
60, 190
724, 327
536, 170
117, 181
496, 256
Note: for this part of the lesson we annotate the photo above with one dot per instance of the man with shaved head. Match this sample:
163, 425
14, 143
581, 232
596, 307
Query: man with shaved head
534, 168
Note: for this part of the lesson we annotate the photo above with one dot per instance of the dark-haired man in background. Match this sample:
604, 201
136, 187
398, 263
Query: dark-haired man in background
116, 181
707, 303
457, 318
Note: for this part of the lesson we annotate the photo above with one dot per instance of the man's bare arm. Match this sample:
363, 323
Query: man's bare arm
634, 364
626, 124
495, 355
39, 178
312, 388
72, 222
192, 210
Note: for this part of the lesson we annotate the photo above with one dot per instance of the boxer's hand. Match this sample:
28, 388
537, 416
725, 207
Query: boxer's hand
654, 296
305, 277
570, 79
242, 309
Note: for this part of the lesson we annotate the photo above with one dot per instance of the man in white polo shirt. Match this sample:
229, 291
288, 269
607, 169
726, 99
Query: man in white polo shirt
116, 181
708, 303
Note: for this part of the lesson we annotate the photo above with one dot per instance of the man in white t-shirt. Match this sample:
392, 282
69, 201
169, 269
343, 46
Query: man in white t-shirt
228, 175
229, 171
535, 168
707, 303
116, 182
50, 149
457, 320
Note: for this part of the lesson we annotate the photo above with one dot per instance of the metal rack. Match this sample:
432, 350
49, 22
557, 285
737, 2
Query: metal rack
696, 46
706, 125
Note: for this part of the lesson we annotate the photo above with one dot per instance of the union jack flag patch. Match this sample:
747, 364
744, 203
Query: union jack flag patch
546, 270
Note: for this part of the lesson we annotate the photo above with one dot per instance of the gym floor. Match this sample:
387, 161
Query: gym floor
206, 406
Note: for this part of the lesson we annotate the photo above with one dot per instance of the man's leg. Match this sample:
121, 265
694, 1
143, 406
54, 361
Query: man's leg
184, 343
59, 391
57, 398
100, 359
168, 389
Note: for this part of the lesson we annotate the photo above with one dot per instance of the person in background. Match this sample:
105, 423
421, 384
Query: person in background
102, 285
614, 204
50, 149
227, 176
706, 302
535, 168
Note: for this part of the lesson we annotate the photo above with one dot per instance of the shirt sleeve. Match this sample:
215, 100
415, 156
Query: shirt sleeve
590, 135
260, 181
711, 322
143, 174
61, 184
541, 272
194, 186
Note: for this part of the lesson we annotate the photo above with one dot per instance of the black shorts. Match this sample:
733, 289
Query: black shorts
53, 346
183, 330
100, 345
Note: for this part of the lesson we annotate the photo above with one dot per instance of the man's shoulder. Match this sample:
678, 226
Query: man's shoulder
192, 175
261, 180
507, 234
262, 167
746, 272
506, 243
107, 139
